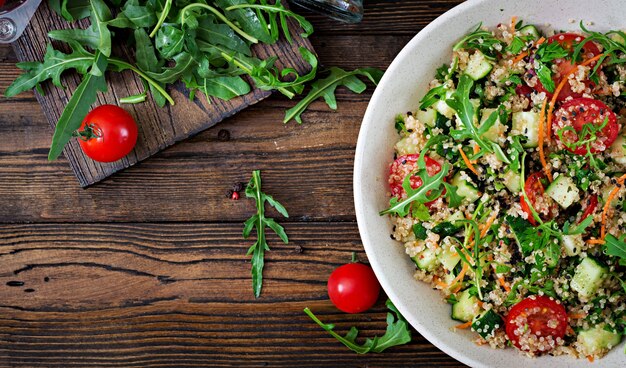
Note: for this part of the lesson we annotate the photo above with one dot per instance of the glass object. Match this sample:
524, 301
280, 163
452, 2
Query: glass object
14, 17
349, 11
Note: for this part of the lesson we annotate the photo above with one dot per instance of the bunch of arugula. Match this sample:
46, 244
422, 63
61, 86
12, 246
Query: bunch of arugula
397, 333
204, 44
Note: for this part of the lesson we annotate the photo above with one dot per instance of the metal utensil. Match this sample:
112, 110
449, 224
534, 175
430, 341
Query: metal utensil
14, 17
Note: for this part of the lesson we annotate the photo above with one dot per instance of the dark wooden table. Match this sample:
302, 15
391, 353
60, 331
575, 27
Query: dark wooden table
148, 268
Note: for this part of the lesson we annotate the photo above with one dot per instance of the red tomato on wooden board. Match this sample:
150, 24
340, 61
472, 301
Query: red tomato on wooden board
353, 287
568, 41
534, 190
111, 133
403, 166
533, 318
578, 112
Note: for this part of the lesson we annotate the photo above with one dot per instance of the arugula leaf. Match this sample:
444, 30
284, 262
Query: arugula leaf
616, 247
419, 231
259, 221
71, 10
545, 76
54, 63
481, 40
465, 112
547, 52
517, 44
326, 87
454, 199
397, 333
527, 236
432, 96
134, 15
247, 19
78, 106
578, 229
420, 211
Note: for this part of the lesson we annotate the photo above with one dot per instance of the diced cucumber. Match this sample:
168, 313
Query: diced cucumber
597, 340
617, 38
487, 323
564, 191
526, 123
465, 189
426, 260
442, 107
458, 215
530, 30
573, 244
427, 117
588, 277
448, 278
478, 66
449, 258
618, 152
511, 181
406, 146
497, 130
466, 308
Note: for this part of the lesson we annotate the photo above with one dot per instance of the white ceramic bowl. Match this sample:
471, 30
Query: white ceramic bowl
402, 86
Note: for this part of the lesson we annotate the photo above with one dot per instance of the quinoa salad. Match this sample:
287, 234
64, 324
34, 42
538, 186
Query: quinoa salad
506, 188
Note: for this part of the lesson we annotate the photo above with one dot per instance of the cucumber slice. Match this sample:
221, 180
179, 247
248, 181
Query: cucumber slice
527, 124
427, 117
455, 217
426, 260
511, 181
466, 308
406, 146
442, 107
573, 244
618, 152
487, 323
478, 66
597, 340
449, 258
588, 277
465, 189
497, 130
564, 191
530, 31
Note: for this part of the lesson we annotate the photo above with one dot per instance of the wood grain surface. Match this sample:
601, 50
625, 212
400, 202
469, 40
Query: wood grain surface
158, 127
148, 267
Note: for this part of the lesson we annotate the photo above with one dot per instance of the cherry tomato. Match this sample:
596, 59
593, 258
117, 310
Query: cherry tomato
108, 133
403, 166
590, 206
568, 41
535, 317
534, 190
353, 288
580, 111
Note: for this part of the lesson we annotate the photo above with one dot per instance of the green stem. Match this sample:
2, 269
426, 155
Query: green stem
164, 14
248, 70
220, 16
124, 65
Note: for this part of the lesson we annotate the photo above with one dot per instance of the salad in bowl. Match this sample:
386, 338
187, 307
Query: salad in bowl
506, 188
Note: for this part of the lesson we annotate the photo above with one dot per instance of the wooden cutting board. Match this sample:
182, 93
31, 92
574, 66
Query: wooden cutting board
158, 127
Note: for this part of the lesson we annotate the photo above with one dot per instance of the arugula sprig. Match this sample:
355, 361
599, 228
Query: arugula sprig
610, 45
584, 138
397, 333
259, 222
480, 39
616, 247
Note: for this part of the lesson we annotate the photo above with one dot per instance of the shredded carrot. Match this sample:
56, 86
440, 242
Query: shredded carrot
476, 150
513, 22
577, 315
464, 325
542, 155
467, 161
461, 274
504, 284
595, 241
468, 216
558, 89
456, 289
439, 283
520, 57
480, 303
488, 224
540, 41
590, 358
607, 205
490, 257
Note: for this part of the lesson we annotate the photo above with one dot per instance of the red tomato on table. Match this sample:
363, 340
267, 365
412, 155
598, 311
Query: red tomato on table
353, 287
578, 112
111, 133
405, 165
568, 41
533, 318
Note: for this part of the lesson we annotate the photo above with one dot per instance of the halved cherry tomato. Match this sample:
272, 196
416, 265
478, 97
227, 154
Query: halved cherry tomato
564, 65
590, 207
534, 189
353, 287
533, 318
580, 111
403, 166
108, 133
